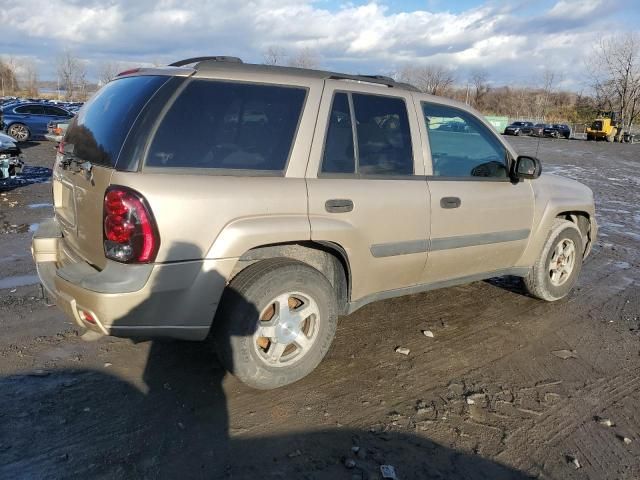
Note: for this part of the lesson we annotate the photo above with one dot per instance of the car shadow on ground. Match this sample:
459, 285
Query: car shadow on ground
90, 424
33, 143
509, 283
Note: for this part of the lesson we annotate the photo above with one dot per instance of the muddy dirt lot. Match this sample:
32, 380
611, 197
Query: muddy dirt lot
483, 398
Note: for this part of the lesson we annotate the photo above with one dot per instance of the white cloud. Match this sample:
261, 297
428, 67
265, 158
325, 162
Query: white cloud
353, 38
572, 9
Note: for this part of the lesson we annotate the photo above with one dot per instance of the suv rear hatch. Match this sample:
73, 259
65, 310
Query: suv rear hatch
87, 158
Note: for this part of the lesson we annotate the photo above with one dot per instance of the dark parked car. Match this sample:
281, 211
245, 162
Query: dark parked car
538, 129
25, 121
519, 128
557, 130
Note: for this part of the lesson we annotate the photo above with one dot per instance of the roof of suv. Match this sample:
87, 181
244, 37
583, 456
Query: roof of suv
206, 65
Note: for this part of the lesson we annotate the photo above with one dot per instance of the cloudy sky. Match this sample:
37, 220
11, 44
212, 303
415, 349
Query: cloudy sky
514, 41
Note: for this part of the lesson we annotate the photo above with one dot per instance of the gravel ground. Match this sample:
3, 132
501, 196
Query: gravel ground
485, 398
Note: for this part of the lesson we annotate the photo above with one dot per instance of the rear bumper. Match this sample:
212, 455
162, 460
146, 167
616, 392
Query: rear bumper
176, 300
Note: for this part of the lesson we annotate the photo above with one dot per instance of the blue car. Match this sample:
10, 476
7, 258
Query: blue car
27, 121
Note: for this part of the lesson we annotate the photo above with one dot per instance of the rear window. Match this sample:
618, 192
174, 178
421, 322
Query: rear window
228, 126
102, 125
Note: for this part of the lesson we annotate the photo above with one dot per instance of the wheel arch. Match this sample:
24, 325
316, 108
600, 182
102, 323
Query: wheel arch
583, 221
576, 213
328, 258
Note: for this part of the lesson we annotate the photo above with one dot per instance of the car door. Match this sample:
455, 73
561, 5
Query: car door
35, 119
56, 114
366, 186
480, 219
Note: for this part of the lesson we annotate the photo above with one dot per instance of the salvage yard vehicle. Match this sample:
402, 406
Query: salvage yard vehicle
538, 129
557, 130
519, 128
26, 121
251, 205
605, 127
11, 162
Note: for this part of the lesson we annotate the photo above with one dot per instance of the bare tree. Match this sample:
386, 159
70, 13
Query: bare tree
30, 78
305, 58
480, 87
549, 79
108, 71
616, 76
433, 79
8, 78
274, 55
72, 75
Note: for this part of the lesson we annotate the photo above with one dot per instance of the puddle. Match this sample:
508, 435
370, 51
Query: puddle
19, 281
622, 265
33, 227
40, 205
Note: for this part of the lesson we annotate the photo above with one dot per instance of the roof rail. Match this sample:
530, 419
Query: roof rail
218, 58
376, 79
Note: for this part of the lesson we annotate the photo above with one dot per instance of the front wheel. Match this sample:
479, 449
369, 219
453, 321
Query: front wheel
556, 270
276, 322
19, 132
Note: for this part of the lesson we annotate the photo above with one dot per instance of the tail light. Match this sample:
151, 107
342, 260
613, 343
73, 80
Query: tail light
130, 232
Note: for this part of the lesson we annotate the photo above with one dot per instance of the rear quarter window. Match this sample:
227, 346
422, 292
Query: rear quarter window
101, 126
228, 126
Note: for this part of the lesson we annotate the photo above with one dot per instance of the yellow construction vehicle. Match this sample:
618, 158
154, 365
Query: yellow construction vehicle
605, 126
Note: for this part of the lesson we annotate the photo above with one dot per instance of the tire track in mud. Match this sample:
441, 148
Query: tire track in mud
529, 446
485, 340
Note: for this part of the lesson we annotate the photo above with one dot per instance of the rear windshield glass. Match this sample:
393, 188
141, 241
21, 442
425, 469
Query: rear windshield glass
101, 126
224, 125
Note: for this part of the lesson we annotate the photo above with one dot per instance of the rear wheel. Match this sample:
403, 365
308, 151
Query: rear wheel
19, 132
556, 270
276, 323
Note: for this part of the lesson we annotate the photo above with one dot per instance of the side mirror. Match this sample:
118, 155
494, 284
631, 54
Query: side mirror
527, 167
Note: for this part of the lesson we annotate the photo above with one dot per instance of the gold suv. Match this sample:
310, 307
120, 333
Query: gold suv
252, 205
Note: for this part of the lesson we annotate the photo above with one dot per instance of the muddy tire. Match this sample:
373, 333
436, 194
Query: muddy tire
556, 271
275, 324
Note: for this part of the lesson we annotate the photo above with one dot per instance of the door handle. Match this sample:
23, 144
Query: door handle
450, 202
338, 205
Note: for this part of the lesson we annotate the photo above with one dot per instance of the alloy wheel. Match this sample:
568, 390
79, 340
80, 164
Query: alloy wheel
287, 329
562, 262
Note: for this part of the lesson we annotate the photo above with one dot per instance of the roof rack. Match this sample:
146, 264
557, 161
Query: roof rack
198, 60
376, 79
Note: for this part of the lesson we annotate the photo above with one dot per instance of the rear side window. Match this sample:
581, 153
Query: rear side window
383, 137
230, 126
339, 155
102, 125
55, 111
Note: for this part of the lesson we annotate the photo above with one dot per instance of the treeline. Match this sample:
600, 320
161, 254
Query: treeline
530, 104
